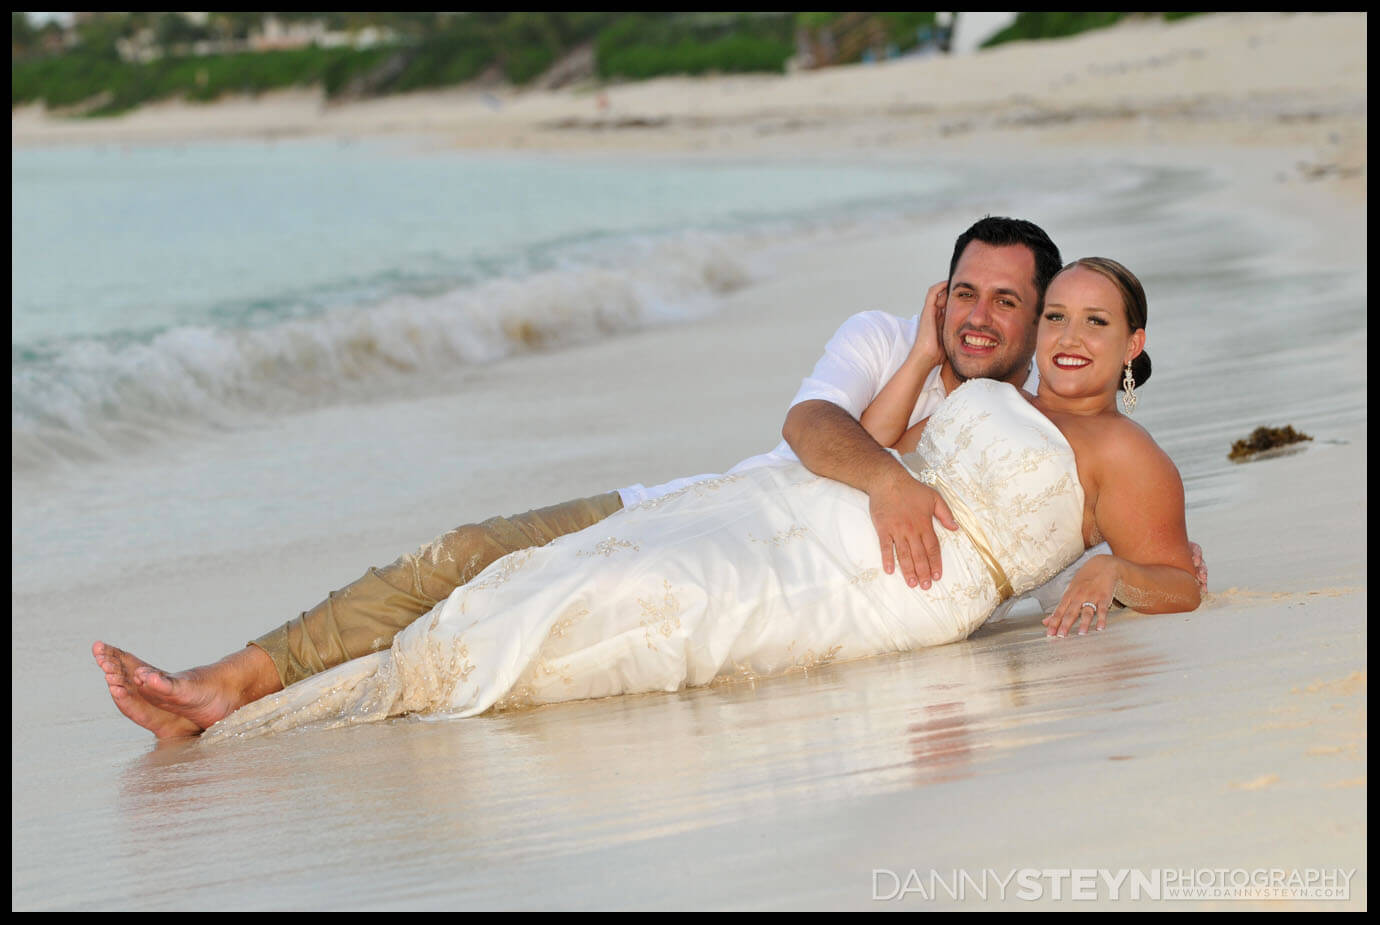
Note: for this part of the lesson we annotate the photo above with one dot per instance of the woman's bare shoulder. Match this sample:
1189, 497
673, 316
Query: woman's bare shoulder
1114, 451
1139, 508
1129, 445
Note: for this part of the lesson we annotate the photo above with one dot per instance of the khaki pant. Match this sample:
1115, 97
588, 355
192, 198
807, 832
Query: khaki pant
365, 616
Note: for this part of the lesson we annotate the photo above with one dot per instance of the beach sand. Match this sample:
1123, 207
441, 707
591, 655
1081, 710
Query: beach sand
1233, 737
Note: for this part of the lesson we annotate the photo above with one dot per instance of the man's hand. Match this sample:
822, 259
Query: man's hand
903, 513
832, 444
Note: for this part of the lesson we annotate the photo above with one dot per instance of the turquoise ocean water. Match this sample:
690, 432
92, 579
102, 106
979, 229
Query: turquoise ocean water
157, 289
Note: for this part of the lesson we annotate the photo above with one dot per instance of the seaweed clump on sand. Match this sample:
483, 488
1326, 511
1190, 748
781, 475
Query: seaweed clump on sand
1265, 438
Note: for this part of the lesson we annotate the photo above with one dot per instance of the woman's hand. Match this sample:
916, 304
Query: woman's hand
887, 417
928, 350
1087, 598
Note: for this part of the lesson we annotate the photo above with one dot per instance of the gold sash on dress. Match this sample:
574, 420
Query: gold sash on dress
967, 521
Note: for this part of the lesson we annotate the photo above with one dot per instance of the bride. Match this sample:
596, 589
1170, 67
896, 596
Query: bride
776, 568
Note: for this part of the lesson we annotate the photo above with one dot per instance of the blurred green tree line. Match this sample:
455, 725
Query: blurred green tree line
107, 63
1031, 26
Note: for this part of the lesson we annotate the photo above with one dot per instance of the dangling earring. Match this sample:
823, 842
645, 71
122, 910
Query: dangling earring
1128, 387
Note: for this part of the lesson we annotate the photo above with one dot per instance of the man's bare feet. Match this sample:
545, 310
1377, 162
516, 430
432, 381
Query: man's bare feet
183, 704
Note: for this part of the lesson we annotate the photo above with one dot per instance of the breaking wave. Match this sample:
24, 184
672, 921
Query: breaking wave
93, 398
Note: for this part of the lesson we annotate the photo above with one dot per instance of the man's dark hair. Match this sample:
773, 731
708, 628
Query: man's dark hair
1004, 232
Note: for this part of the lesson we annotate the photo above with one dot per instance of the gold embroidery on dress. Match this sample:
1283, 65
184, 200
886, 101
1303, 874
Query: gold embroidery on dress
520, 697
663, 618
506, 566
608, 547
1017, 539
739, 672
956, 585
447, 664
462, 655
545, 669
524, 693
698, 489
811, 658
864, 576
1028, 547
567, 620
1025, 504
782, 537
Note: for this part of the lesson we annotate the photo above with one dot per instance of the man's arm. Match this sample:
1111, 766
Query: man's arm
831, 443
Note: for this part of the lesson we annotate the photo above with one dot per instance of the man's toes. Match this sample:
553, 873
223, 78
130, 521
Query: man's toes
157, 681
160, 722
104, 658
123, 696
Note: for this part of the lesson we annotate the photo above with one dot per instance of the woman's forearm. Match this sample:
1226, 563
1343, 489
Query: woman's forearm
1156, 588
887, 418
1107, 578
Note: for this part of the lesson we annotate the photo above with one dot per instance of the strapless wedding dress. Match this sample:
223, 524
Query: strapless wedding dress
749, 574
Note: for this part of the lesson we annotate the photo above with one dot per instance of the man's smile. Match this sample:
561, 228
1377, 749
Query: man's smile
975, 342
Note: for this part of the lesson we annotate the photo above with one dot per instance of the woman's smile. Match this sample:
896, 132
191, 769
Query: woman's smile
1071, 361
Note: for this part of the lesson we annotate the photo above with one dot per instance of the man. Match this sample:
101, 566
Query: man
989, 307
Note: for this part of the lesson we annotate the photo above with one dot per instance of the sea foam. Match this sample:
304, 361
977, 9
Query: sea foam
89, 399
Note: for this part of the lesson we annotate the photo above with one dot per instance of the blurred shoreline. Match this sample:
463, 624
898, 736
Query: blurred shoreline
1289, 81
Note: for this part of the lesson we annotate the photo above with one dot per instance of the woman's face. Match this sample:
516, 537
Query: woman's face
1084, 340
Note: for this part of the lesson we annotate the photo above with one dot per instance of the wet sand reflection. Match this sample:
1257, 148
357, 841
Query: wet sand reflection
553, 780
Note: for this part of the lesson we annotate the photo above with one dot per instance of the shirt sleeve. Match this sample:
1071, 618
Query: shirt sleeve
853, 368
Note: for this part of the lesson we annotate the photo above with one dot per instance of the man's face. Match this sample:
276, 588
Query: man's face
989, 327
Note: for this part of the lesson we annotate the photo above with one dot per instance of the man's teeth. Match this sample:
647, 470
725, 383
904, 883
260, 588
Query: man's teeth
1070, 362
976, 340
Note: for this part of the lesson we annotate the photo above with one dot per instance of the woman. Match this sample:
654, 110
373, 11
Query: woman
777, 568
1093, 321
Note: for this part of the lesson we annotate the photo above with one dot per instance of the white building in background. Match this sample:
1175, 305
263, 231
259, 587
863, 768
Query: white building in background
62, 19
277, 35
972, 29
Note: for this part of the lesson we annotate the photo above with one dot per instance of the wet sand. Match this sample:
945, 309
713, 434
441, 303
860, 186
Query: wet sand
1232, 737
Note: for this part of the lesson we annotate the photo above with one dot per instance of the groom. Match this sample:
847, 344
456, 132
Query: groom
986, 329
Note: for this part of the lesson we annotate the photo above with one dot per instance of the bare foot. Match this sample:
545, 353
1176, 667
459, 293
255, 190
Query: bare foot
183, 704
